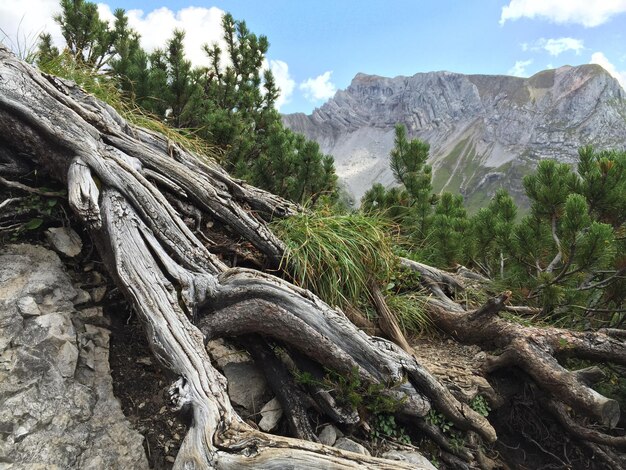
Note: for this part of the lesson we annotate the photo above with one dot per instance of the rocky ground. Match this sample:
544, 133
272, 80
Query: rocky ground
79, 387
142, 386
57, 406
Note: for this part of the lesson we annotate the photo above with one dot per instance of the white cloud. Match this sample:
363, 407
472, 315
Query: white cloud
556, 47
284, 81
318, 88
201, 26
519, 69
600, 59
585, 12
22, 21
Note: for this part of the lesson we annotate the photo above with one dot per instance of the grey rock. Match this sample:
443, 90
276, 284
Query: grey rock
65, 240
91, 313
247, 386
348, 444
28, 307
328, 435
57, 406
222, 353
82, 297
415, 458
270, 415
98, 293
484, 131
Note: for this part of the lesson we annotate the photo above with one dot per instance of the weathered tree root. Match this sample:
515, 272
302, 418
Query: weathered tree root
558, 410
437, 282
117, 177
608, 456
293, 316
293, 401
535, 350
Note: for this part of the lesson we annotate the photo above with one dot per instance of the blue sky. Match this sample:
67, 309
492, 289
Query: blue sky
318, 46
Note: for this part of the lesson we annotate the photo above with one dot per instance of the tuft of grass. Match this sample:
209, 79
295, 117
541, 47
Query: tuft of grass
412, 316
23, 44
104, 86
336, 256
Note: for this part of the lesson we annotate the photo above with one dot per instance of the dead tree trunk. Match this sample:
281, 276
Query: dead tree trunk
121, 181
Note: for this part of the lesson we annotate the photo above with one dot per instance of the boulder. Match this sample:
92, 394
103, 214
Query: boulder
328, 435
56, 396
270, 415
247, 386
348, 444
415, 458
65, 240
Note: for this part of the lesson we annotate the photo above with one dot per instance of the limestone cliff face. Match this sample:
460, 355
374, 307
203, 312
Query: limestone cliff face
485, 131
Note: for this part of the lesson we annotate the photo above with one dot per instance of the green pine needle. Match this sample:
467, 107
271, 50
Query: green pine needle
104, 87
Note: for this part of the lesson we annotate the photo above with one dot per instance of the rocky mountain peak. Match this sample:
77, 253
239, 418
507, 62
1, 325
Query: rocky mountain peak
485, 131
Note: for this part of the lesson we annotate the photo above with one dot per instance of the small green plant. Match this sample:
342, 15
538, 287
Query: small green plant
384, 426
454, 436
437, 419
457, 441
31, 212
479, 405
351, 391
403, 280
33, 224
348, 388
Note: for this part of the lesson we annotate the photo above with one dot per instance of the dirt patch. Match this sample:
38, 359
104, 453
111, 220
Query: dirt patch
142, 386
456, 365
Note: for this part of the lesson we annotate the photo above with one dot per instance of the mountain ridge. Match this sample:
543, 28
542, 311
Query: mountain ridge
485, 131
